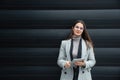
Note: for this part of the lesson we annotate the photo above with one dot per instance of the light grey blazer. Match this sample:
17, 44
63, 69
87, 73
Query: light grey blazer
64, 55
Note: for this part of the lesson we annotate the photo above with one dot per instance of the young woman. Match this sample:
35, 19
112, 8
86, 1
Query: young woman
78, 46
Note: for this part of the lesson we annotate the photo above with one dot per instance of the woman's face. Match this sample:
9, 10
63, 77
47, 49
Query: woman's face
78, 29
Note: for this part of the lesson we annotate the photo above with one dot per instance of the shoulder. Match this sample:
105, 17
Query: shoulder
64, 42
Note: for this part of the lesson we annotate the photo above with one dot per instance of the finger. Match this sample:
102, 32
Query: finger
67, 63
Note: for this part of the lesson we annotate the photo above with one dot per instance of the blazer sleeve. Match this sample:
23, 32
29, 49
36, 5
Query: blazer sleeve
62, 55
91, 58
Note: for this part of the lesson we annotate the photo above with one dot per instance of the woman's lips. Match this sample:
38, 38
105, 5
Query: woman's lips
78, 32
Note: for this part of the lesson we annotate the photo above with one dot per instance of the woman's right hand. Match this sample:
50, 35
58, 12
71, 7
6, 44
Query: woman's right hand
67, 65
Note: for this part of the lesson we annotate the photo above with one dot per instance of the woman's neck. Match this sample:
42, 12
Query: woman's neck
75, 36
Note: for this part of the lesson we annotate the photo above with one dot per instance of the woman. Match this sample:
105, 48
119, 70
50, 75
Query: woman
77, 46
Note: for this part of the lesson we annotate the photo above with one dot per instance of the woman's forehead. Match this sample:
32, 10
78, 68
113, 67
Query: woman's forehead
79, 24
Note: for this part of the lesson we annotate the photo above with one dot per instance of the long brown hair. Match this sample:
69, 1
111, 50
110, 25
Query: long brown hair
84, 35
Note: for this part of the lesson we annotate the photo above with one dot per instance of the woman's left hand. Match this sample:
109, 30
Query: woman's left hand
80, 63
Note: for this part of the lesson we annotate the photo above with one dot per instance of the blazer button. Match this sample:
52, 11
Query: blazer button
82, 71
65, 72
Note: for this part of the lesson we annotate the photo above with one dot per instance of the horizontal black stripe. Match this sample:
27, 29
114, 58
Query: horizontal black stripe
55, 70
53, 37
36, 73
48, 56
56, 19
23, 15
53, 77
59, 4
59, 24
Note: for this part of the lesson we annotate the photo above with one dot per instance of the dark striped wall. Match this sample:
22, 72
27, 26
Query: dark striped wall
31, 32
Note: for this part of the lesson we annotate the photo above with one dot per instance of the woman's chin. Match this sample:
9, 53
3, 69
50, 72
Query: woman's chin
78, 34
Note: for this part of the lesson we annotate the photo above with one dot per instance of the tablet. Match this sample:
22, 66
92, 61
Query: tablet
78, 59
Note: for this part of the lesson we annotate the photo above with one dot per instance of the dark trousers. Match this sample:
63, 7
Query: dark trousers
76, 72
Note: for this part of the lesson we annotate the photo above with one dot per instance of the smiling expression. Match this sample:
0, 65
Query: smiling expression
78, 29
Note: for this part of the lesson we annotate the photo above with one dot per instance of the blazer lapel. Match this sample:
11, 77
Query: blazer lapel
84, 49
68, 49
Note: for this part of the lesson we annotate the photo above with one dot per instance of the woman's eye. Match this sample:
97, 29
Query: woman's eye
77, 27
